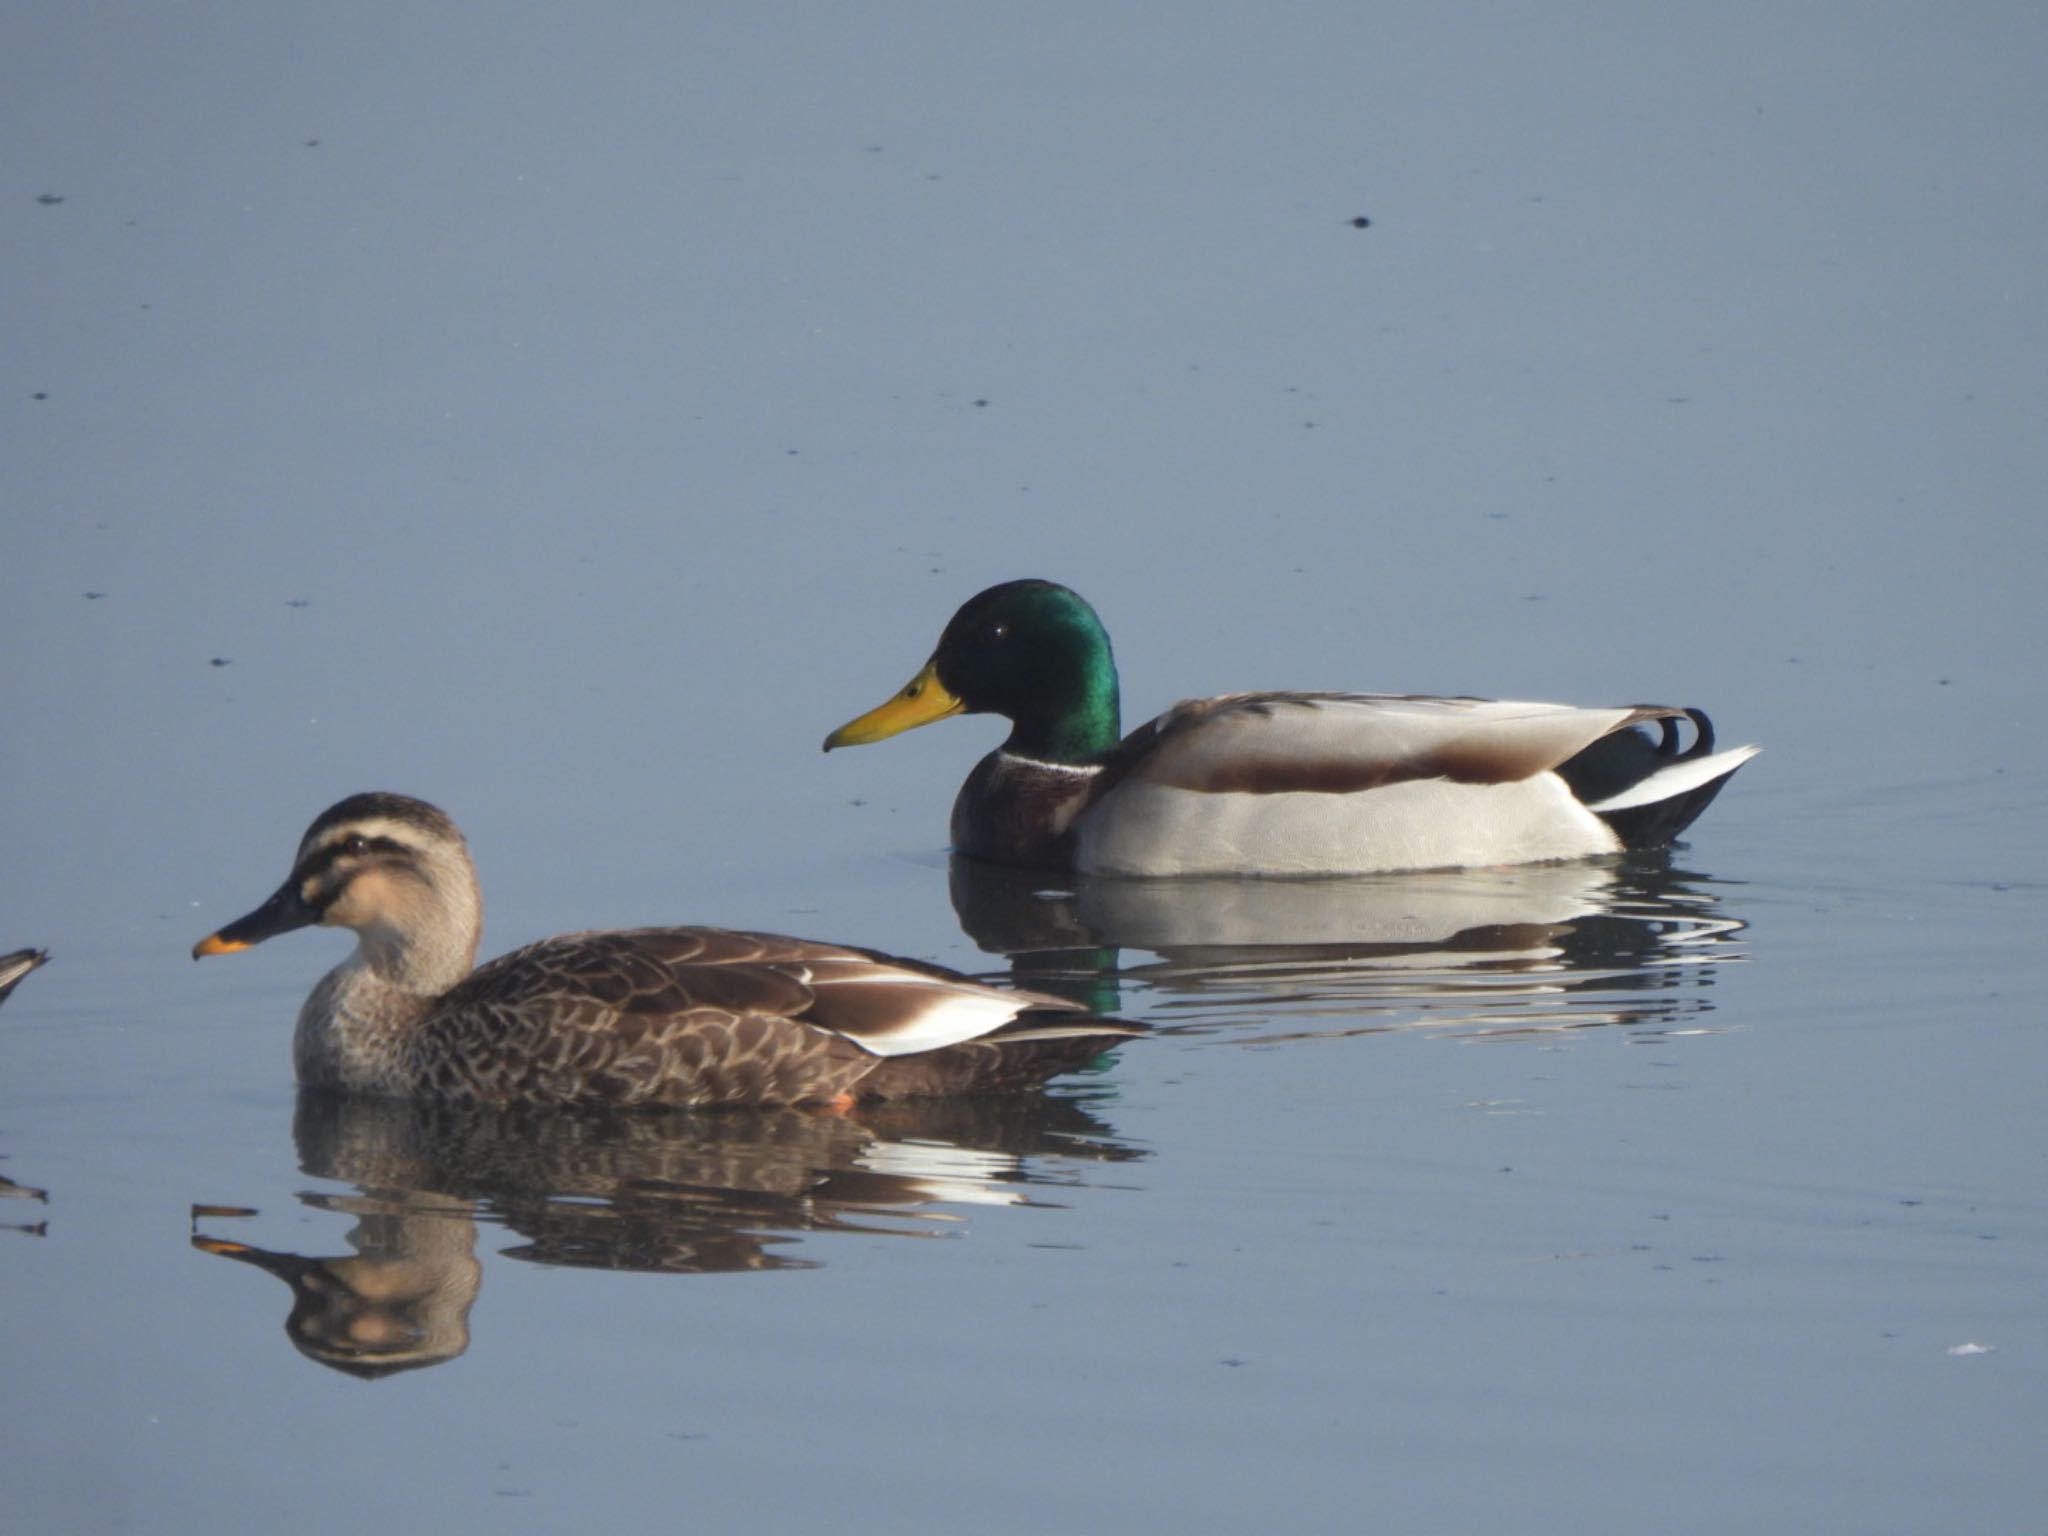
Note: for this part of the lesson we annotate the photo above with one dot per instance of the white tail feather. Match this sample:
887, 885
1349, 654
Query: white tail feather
1678, 779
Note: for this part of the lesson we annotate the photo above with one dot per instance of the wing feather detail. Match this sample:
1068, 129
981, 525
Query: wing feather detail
704, 1015
1337, 743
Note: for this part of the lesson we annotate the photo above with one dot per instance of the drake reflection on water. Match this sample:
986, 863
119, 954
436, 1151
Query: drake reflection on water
1495, 951
647, 1190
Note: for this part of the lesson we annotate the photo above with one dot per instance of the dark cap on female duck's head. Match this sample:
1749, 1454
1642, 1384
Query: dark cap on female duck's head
381, 805
373, 829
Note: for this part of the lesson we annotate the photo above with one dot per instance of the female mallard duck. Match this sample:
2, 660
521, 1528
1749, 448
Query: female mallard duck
1279, 783
635, 1016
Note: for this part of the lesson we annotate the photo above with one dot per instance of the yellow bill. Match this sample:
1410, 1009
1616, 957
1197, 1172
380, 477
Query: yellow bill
919, 702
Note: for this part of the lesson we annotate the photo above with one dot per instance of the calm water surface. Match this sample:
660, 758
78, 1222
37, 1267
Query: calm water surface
570, 420
1524, 1169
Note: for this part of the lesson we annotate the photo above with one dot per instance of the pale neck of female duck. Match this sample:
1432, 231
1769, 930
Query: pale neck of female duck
429, 947
1079, 723
419, 943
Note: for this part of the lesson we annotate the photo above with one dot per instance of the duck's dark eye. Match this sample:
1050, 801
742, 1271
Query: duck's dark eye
355, 844
999, 630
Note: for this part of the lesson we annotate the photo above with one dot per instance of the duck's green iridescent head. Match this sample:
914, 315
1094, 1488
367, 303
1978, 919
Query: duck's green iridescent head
1031, 651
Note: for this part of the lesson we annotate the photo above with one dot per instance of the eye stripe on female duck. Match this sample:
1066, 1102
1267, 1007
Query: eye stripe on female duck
636, 1016
1279, 783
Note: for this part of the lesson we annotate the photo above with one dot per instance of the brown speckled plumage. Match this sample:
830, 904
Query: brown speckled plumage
681, 1016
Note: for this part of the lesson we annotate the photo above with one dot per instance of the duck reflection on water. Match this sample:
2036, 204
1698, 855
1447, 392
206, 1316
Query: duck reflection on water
644, 1190
1530, 947
9, 1190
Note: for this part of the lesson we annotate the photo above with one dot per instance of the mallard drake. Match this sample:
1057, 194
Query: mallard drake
17, 965
635, 1016
1280, 783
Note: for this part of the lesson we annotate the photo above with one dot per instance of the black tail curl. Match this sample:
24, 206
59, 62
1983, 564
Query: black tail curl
1623, 760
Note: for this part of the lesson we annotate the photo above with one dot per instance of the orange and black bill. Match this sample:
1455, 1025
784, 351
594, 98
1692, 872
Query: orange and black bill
287, 909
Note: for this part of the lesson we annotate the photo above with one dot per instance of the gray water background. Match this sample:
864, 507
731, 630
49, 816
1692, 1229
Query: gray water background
570, 414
